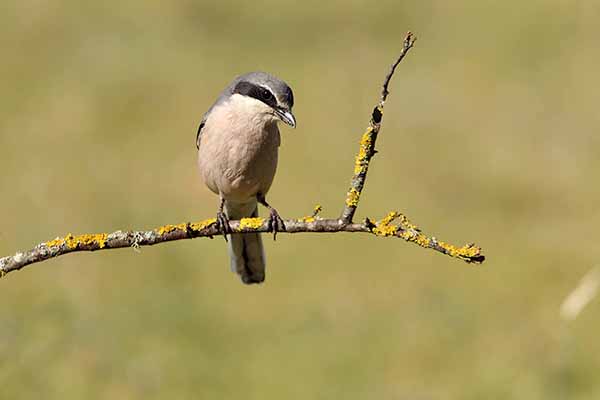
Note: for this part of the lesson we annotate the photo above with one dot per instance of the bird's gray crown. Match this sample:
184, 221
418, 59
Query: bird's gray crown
264, 87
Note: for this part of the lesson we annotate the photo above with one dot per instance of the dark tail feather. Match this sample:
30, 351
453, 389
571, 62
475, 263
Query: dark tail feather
246, 251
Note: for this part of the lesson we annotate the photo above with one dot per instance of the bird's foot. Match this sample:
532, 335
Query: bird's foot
275, 223
223, 224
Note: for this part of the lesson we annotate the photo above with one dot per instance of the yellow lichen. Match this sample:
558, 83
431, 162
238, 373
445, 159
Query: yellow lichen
198, 226
384, 227
407, 230
467, 252
366, 141
70, 241
360, 164
385, 230
352, 198
361, 157
312, 218
251, 223
416, 237
55, 242
170, 228
407, 235
99, 239
392, 215
84, 240
422, 240
407, 224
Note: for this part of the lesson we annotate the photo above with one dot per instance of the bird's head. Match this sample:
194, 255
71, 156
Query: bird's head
269, 96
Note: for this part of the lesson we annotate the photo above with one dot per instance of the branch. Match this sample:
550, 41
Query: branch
367, 142
208, 228
385, 227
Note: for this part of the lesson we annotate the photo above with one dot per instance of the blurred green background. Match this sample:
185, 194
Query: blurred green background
491, 134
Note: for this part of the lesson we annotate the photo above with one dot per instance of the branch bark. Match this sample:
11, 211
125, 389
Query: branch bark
385, 227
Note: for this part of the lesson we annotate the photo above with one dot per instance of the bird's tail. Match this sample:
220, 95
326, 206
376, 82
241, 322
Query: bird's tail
246, 251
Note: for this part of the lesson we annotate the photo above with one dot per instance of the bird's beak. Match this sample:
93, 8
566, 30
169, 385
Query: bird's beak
286, 116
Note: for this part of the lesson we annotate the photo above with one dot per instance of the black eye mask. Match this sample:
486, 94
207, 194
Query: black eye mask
257, 92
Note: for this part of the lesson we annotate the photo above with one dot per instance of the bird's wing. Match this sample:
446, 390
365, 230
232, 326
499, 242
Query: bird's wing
200, 132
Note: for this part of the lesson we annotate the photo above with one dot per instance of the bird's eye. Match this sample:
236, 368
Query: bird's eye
266, 94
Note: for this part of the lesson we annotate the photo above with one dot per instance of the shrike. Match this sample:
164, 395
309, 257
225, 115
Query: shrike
238, 141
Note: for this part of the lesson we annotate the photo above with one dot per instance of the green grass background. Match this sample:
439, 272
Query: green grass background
491, 134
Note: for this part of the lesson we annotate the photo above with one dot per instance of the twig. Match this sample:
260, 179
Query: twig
403, 229
409, 42
367, 142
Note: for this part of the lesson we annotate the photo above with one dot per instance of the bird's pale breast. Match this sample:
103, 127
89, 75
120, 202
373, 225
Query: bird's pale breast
238, 149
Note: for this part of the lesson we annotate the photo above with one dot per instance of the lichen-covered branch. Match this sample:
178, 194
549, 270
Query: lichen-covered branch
367, 142
208, 228
393, 225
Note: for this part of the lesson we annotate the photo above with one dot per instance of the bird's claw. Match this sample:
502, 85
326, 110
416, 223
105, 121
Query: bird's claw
223, 224
275, 223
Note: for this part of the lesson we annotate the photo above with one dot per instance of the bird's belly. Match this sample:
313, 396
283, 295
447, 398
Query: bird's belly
243, 178
241, 170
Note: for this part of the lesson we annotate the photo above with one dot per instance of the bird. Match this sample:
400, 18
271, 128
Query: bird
238, 141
